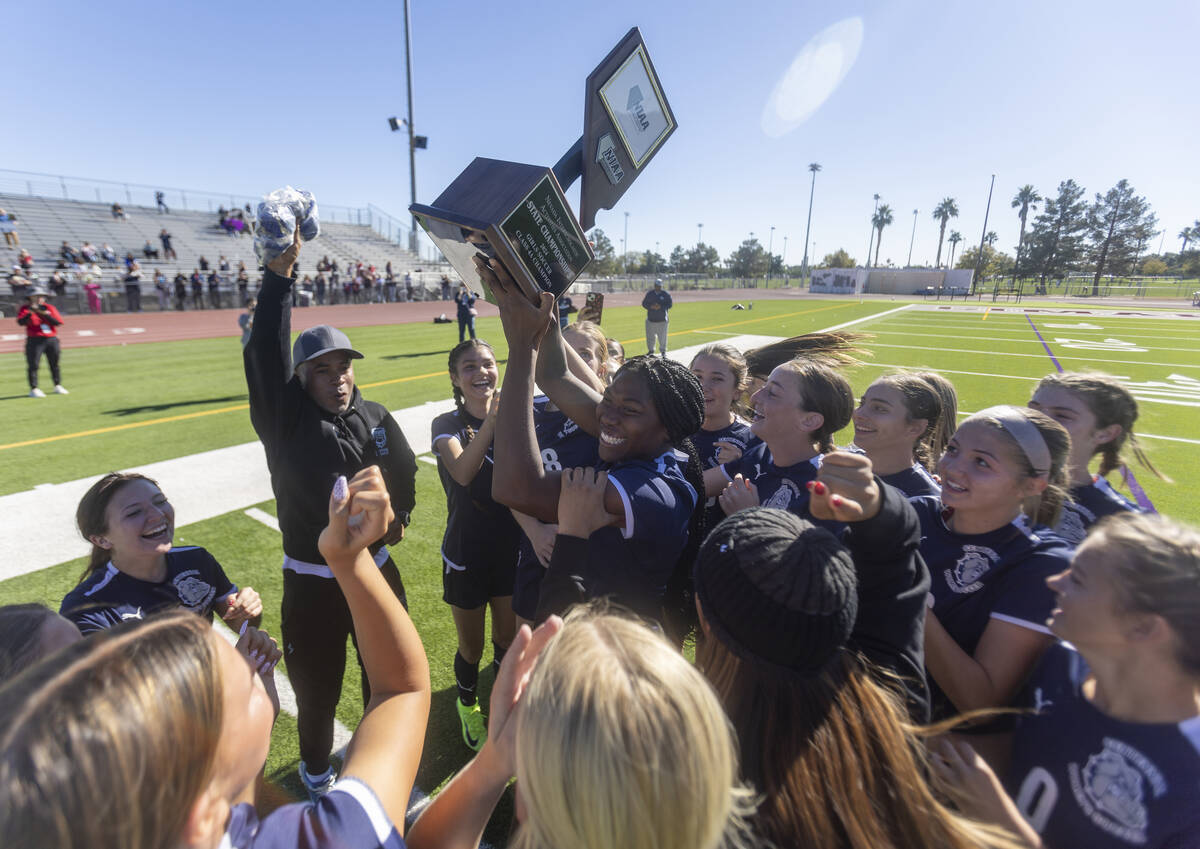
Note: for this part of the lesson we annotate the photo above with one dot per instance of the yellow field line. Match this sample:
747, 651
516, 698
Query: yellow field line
185, 416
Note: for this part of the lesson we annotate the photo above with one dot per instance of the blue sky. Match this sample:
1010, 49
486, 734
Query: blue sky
248, 97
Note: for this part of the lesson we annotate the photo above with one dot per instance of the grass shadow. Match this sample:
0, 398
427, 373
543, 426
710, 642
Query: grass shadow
159, 408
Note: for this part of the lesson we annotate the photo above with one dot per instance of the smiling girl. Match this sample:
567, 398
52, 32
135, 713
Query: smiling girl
134, 568
796, 412
903, 423
723, 438
1110, 754
989, 553
1099, 414
479, 548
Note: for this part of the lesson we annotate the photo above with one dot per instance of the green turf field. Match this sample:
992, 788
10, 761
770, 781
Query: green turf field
135, 404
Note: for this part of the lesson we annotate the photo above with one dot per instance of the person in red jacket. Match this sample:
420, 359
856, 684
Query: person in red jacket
41, 321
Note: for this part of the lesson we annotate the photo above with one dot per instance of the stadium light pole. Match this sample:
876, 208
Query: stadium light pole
983, 236
699, 235
625, 248
871, 241
912, 239
770, 247
814, 167
412, 149
783, 262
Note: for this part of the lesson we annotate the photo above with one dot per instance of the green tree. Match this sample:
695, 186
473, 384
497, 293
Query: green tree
1119, 223
943, 212
995, 263
881, 219
650, 263
839, 259
1154, 267
1025, 199
955, 238
606, 256
678, 258
1056, 242
991, 238
749, 260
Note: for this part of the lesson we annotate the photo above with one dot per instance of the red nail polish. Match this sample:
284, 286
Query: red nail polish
818, 488
836, 501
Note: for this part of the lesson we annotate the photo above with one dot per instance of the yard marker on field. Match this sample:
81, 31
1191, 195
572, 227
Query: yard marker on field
985, 314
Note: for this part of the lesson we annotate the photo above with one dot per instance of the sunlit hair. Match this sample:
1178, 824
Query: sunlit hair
598, 342
735, 362
836, 348
20, 636
1156, 564
91, 517
622, 742
834, 758
823, 390
1043, 509
456, 354
930, 397
1112, 404
109, 745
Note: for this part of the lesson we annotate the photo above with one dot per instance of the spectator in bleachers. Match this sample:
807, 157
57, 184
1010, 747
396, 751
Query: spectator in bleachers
25, 259
222, 263
167, 251
322, 263
203, 264
445, 287
118, 211
162, 288
319, 284
58, 284
241, 265
408, 287
197, 289
8, 226
18, 282
214, 289
180, 290
389, 285
133, 284
129, 260
88, 252
110, 256
149, 251
67, 252
160, 200
243, 284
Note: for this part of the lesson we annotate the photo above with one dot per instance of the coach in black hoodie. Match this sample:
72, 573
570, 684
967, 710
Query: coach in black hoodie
315, 425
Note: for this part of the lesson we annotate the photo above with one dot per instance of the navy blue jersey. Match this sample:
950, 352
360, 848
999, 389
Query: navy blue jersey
349, 816
736, 433
1088, 505
913, 481
1082, 778
783, 487
563, 445
640, 557
478, 530
108, 596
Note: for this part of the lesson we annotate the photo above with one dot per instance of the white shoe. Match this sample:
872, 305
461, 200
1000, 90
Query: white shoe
36, 393
59, 389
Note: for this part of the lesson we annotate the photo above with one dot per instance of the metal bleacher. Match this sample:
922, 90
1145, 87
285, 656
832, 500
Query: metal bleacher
43, 223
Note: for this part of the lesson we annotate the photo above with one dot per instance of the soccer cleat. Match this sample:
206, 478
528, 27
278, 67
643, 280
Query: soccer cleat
59, 389
318, 788
473, 728
36, 393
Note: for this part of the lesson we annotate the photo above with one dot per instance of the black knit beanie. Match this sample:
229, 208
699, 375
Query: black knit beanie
777, 590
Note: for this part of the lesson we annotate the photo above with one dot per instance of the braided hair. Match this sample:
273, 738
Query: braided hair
679, 401
455, 355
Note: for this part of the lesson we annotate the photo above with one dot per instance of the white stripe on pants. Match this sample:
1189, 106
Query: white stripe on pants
656, 330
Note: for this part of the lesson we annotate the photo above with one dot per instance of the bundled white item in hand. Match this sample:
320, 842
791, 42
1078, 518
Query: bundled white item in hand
278, 214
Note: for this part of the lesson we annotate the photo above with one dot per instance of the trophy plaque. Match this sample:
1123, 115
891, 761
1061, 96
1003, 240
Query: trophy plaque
519, 215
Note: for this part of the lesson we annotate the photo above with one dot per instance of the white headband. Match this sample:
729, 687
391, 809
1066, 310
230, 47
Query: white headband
1028, 438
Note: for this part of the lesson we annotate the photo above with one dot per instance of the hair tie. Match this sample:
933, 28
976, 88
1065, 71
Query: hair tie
1026, 434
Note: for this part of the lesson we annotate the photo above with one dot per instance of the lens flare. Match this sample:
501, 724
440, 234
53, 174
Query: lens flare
813, 76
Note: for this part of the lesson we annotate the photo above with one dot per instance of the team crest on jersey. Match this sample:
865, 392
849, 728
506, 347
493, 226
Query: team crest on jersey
194, 592
568, 428
1111, 789
1070, 525
380, 436
784, 496
967, 573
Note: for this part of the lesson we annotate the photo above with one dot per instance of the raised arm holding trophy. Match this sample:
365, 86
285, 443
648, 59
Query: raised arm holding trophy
518, 214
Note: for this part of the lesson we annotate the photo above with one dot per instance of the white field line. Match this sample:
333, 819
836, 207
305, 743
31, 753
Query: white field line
1041, 355
964, 413
1028, 339
1024, 328
875, 317
264, 517
1060, 312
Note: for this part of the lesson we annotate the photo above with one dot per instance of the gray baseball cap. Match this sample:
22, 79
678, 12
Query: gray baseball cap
319, 340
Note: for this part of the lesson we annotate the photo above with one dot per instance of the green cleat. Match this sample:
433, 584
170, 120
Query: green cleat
473, 728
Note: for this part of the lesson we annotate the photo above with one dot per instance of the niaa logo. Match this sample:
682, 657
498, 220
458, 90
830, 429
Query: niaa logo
783, 497
1111, 789
970, 568
194, 592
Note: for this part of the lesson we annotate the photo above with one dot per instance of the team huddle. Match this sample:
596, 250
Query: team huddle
946, 633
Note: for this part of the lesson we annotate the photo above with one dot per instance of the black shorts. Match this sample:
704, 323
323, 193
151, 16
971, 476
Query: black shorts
470, 585
527, 587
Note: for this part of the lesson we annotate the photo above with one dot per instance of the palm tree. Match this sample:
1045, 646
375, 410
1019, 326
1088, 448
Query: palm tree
955, 238
881, 219
1186, 234
943, 212
1026, 199
991, 238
